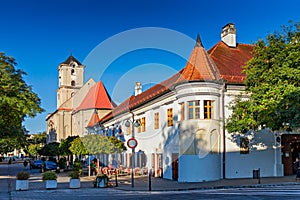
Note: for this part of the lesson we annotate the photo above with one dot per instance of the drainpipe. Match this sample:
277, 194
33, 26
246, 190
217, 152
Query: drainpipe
224, 141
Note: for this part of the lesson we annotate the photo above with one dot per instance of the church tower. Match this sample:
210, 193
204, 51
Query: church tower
70, 79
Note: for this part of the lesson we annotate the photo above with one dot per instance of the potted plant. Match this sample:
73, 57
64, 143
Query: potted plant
22, 180
74, 180
50, 179
101, 180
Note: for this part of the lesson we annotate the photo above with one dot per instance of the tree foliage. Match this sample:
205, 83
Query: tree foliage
17, 100
77, 147
8, 144
99, 144
34, 149
51, 149
38, 138
64, 146
272, 84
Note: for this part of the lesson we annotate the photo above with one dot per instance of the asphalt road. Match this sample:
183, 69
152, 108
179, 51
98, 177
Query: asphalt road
289, 192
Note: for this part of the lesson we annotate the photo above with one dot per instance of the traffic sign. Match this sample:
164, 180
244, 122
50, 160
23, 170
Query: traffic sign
132, 143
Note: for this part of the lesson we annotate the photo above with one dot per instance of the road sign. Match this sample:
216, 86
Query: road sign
132, 143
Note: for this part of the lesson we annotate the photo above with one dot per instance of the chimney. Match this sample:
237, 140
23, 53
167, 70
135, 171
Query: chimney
228, 35
137, 88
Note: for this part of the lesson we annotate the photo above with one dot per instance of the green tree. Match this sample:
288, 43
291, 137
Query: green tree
34, 149
64, 146
38, 138
17, 100
272, 84
8, 144
51, 149
118, 145
78, 148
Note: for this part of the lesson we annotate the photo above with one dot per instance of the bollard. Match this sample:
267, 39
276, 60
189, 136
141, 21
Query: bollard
150, 174
116, 175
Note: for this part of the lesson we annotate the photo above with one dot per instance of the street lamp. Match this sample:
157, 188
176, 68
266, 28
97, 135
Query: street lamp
132, 143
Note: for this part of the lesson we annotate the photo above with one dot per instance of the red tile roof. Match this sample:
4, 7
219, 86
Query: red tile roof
97, 97
200, 66
231, 60
94, 119
220, 62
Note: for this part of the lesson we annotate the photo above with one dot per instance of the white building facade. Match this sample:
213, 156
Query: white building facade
181, 134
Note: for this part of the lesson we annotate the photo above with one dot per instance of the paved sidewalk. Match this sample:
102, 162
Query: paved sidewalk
159, 184
141, 183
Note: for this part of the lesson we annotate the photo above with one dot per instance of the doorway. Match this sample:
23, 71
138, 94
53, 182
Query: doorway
290, 144
175, 166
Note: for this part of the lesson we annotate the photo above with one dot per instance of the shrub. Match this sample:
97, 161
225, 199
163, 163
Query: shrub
77, 166
49, 176
74, 174
23, 176
62, 163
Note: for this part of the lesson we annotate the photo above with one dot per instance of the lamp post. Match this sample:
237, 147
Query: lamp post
132, 143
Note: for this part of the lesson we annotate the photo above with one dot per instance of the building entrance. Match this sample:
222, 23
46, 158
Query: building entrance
290, 144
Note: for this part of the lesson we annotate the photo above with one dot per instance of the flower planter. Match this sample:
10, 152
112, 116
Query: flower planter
51, 184
22, 184
74, 183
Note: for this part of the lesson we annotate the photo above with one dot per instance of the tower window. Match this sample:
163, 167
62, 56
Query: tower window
194, 109
208, 109
72, 83
72, 72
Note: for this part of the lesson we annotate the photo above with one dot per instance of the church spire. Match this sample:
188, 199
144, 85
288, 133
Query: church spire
198, 41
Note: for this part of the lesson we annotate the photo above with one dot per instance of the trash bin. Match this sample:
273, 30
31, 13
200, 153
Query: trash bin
256, 173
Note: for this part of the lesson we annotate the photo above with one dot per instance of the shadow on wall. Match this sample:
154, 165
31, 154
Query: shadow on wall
263, 139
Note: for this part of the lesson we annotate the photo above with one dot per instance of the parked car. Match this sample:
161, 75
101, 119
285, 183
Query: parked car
49, 165
36, 164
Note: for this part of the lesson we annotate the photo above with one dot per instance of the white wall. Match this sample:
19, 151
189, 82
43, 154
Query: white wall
264, 155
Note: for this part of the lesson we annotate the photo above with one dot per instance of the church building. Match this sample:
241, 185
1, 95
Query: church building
76, 102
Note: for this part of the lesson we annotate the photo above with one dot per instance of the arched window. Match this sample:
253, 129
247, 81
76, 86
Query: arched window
72, 72
72, 83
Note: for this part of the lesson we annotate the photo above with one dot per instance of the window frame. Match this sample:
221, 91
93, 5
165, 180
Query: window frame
170, 117
208, 108
192, 109
156, 120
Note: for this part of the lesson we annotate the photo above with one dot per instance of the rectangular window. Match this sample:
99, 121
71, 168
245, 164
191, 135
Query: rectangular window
194, 109
156, 120
170, 116
208, 108
244, 145
139, 128
143, 124
181, 112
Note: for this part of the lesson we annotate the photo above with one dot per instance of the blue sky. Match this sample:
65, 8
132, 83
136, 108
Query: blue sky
41, 34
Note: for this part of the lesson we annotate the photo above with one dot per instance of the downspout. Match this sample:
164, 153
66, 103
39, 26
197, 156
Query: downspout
224, 141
